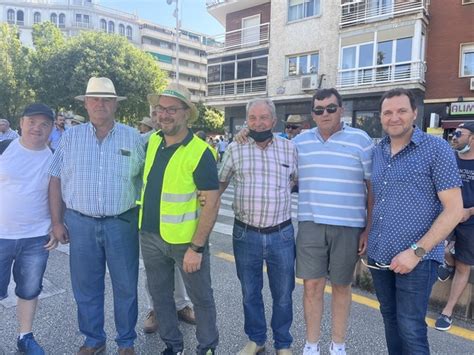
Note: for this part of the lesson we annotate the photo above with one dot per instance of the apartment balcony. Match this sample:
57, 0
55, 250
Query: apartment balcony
380, 75
244, 38
238, 88
356, 12
80, 24
220, 8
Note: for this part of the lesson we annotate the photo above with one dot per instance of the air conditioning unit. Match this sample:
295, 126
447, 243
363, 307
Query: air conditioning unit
471, 86
309, 82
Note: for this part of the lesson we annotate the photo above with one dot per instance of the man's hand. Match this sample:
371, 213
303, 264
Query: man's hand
201, 198
364, 236
404, 262
242, 136
60, 233
192, 261
52, 243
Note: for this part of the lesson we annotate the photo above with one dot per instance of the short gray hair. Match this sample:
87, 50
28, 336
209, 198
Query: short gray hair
3, 120
268, 102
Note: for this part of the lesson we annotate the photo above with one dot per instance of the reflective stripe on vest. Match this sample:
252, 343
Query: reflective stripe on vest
179, 206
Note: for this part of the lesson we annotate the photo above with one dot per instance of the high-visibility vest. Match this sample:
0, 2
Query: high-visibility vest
179, 206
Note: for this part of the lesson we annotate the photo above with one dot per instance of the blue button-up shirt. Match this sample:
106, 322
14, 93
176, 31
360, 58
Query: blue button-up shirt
406, 188
99, 178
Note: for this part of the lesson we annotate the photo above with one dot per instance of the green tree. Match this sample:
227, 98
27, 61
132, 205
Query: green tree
209, 119
69, 66
15, 91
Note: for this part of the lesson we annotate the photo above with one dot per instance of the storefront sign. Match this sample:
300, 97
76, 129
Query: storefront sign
462, 108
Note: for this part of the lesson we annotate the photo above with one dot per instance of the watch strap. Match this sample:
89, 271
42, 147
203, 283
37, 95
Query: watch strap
196, 248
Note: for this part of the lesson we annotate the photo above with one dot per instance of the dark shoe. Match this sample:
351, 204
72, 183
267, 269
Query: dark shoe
169, 351
126, 351
150, 325
187, 315
87, 350
445, 272
28, 345
443, 322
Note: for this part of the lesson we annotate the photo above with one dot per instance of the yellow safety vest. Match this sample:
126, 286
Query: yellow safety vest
179, 206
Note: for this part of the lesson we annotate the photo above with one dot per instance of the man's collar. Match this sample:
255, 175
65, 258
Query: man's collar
184, 142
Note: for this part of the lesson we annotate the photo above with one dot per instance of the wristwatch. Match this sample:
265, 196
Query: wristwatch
196, 248
419, 251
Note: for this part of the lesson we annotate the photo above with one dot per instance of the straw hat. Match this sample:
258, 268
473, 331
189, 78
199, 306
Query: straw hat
100, 87
147, 121
296, 119
78, 119
179, 92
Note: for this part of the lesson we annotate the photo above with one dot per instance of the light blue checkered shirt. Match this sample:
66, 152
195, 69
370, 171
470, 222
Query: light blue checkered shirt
99, 178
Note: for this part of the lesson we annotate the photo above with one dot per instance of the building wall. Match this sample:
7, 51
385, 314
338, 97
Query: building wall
234, 19
443, 49
312, 34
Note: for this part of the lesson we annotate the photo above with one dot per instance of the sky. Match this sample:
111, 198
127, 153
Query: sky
194, 16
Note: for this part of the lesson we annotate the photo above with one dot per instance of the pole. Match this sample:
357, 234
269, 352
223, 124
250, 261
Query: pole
177, 41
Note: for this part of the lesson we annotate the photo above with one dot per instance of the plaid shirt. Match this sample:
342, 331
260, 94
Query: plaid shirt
99, 178
261, 178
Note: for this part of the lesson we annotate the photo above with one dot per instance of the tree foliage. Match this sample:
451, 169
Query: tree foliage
209, 119
15, 91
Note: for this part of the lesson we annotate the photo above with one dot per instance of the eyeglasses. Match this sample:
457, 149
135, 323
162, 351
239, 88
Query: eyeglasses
458, 134
292, 126
377, 266
319, 110
169, 110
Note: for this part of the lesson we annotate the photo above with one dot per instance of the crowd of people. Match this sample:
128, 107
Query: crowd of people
109, 190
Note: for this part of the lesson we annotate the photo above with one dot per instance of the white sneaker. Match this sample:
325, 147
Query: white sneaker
311, 350
336, 351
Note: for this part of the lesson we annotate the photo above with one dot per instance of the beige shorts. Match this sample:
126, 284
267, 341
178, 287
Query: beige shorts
324, 250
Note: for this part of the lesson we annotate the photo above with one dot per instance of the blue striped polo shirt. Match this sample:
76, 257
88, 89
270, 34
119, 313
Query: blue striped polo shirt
332, 176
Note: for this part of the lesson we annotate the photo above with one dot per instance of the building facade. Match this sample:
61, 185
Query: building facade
449, 96
361, 47
73, 16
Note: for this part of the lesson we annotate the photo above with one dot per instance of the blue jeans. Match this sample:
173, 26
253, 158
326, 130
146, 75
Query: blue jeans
29, 258
403, 304
277, 249
95, 243
160, 258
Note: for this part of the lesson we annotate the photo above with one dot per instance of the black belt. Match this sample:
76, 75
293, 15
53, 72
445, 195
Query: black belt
122, 216
265, 230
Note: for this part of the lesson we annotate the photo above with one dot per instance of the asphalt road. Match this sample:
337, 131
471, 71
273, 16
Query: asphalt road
56, 325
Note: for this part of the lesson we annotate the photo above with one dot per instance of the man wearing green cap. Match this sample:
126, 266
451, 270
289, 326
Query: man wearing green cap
174, 229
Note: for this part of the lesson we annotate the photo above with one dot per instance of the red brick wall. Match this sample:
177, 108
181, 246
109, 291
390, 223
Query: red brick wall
450, 25
234, 19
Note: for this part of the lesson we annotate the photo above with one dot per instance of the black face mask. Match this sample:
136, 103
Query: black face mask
260, 136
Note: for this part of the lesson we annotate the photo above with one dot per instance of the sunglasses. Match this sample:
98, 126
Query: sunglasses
377, 266
292, 126
458, 134
319, 110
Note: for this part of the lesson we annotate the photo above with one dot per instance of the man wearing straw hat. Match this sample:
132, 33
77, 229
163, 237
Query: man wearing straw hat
174, 229
96, 173
293, 126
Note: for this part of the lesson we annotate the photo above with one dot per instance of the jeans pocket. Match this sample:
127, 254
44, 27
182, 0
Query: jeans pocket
287, 234
239, 233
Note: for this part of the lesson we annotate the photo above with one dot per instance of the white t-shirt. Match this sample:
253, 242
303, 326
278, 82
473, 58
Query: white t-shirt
24, 179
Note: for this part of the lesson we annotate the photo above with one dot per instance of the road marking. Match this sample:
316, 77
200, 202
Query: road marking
366, 301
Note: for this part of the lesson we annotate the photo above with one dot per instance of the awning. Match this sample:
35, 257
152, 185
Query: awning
448, 124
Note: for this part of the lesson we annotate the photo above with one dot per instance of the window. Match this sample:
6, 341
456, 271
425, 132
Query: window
20, 17
86, 19
369, 121
78, 18
303, 64
465, 2
122, 30
299, 9
36, 17
54, 18
467, 59
62, 20
103, 25
129, 32
10, 16
111, 27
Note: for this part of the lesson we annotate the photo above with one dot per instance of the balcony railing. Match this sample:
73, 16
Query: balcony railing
238, 87
80, 24
241, 38
354, 12
211, 3
382, 74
